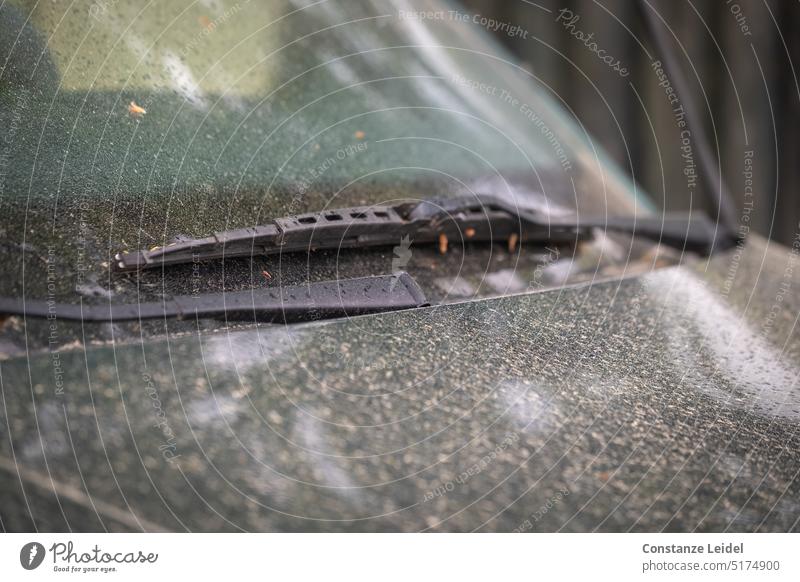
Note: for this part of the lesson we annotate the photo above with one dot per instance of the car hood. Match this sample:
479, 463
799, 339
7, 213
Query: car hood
666, 401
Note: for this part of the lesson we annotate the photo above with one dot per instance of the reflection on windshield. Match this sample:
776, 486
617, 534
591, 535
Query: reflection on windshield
240, 95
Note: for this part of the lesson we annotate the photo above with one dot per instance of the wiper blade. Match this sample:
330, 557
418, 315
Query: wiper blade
289, 304
356, 227
475, 218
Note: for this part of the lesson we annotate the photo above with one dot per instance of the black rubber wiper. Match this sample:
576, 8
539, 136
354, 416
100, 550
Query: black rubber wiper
324, 300
475, 218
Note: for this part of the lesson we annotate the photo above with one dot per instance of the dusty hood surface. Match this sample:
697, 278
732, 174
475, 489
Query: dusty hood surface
667, 401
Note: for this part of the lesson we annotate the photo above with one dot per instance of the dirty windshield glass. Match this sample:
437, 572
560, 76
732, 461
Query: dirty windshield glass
127, 124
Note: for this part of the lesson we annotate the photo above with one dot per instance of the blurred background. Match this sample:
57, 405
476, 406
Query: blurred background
737, 56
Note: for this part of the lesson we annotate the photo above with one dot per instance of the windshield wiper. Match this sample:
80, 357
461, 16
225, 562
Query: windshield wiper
311, 302
472, 218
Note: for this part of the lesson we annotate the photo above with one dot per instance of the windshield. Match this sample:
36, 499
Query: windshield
126, 125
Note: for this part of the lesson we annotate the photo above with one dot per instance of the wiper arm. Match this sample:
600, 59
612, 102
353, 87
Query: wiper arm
476, 218
324, 300
689, 231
